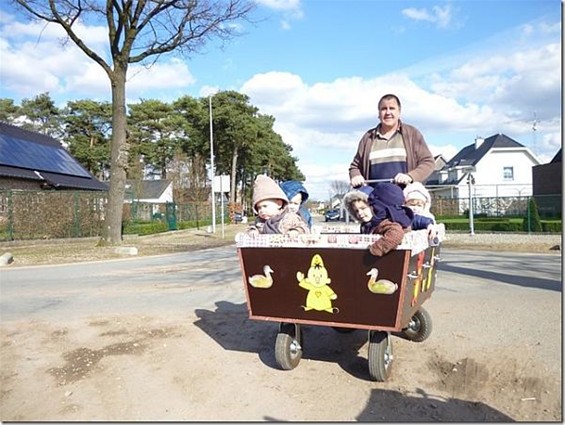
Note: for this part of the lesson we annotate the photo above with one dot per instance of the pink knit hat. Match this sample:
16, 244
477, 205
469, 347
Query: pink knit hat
266, 188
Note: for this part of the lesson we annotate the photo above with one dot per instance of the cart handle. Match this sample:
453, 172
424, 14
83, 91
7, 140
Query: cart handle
380, 181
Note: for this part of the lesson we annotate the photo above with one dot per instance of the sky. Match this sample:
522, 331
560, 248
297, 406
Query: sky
462, 69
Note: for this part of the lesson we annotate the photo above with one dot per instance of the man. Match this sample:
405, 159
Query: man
392, 150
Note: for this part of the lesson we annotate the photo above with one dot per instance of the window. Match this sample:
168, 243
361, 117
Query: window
508, 173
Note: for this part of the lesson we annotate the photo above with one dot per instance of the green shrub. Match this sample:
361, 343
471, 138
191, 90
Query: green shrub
532, 221
145, 228
551, 226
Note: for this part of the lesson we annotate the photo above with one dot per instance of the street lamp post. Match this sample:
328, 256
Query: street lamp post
471, 181
212, 172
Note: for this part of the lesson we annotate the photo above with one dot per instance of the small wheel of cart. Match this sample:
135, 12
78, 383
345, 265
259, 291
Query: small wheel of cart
288, 350
380, 355
420, 326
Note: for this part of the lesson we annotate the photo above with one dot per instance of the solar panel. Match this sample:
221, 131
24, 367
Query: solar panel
19, 153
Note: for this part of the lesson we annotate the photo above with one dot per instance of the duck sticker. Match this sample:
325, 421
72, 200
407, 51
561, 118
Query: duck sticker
262, 280
317, 281
381, 286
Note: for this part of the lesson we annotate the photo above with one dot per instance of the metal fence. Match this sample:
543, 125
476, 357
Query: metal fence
67, 214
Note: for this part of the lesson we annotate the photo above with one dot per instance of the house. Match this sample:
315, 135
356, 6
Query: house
153, 195
149, 191
35, 161
440, 162
499, 165
548, 187
495, 167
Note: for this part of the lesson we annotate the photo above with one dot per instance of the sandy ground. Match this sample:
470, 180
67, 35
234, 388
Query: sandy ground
217, 365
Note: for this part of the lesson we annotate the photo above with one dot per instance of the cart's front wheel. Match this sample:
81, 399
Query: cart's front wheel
288, 350
420, 326
380, 355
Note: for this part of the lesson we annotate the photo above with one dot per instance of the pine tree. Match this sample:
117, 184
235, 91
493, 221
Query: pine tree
532, 221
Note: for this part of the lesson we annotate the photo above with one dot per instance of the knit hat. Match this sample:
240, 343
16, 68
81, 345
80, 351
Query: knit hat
360, 194
390, 198
417, 191
292, 188
266, 188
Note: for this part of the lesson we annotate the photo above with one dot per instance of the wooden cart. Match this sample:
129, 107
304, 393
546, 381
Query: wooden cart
331, 279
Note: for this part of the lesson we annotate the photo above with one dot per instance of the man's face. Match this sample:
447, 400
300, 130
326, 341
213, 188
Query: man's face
389, 113
362, 211
295, 202
268, 208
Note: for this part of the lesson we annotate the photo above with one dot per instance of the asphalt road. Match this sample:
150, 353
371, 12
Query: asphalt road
186, 281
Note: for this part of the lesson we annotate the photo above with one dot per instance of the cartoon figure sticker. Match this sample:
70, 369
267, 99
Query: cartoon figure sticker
381, 286
262, 280
317, 281
431, 270
418, 282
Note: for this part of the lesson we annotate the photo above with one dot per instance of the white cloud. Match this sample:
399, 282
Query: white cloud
441, 16
290, 10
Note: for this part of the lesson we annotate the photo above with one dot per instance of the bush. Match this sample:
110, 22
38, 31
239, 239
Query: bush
552, 226
532, 221
145, 228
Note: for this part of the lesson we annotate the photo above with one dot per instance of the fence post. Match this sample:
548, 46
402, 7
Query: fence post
529, 219
76, 219
10, 216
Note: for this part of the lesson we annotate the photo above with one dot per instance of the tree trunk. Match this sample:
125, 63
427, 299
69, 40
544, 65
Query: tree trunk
112, 232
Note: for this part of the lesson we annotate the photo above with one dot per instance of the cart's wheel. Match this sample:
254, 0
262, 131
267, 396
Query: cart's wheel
380, 355
420, 326
288, 351
342, 330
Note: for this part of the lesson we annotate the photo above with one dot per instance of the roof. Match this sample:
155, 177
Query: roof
557, 157
470, 156
148, 189
29, 155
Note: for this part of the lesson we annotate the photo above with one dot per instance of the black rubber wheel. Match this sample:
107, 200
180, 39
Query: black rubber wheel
288, 350
420, 326
380, 355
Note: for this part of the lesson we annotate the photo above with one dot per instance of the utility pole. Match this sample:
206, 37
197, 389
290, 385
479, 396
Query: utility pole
212, 172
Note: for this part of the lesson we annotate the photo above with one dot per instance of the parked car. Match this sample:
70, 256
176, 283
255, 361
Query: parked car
332, 215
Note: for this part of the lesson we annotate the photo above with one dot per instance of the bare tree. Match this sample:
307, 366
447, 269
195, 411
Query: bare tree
139, 31
339, 187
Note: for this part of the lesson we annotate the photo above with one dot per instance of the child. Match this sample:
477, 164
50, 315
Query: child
418, 199
271, 206
381, 211
297, 196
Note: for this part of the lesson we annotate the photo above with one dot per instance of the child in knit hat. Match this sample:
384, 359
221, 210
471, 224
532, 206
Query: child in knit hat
380, 211
297, 195
271, 206
417, 197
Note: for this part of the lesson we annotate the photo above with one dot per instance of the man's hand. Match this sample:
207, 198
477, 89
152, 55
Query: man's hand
402, 179
357, 181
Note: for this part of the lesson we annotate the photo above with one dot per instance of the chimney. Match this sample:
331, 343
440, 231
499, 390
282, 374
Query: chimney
478, 142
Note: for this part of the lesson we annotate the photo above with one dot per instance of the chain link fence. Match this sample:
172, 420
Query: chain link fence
72, 214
